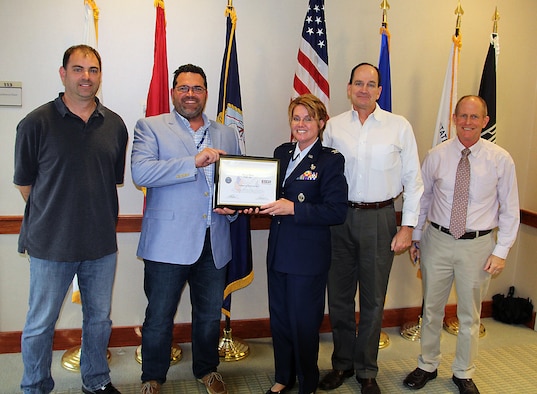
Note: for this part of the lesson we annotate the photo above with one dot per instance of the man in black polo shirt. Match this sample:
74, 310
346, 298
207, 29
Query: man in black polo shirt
69, 157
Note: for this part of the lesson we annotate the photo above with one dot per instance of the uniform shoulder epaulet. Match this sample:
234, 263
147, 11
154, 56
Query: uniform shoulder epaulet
330, 150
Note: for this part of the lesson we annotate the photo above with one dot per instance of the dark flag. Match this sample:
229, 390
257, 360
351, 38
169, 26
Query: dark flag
240, 269
385, 99
487, 88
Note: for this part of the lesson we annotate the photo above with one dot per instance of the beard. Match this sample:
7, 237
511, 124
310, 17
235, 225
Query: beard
188, 110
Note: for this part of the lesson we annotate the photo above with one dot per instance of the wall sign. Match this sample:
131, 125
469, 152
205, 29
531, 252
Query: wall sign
11, 93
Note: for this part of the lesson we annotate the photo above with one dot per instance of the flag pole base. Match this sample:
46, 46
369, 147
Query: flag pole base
384, 340
175, 356
412, 330
71, 359
451, 325
232, 349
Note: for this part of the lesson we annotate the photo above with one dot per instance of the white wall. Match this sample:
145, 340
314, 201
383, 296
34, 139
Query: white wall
35, 35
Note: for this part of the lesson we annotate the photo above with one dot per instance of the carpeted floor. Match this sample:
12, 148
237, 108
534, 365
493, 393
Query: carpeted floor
495, 370
507, 364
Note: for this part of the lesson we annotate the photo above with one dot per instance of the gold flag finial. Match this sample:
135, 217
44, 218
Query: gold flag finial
385, 7
230, 3
459, 12
495, 19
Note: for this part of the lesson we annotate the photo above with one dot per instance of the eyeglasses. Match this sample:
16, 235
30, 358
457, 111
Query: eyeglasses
305, 119
186, 89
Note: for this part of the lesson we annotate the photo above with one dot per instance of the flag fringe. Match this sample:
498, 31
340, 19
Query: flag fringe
457, 45
239, 284
95, 9
385, 30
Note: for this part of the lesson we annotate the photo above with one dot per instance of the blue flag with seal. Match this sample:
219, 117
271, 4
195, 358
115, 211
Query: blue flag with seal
240, 269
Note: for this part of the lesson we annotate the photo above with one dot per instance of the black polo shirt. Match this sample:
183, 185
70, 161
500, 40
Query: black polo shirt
73, 168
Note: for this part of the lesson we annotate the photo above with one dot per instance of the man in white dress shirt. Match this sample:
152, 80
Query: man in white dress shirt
471, 259
381, 162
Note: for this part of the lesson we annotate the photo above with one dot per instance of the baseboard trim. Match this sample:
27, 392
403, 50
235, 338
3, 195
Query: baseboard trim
244, 329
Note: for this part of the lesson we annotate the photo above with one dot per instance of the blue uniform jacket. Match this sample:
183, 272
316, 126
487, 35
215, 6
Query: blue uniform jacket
300, 243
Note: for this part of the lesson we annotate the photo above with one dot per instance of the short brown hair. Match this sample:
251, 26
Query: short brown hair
85, 49
315, 107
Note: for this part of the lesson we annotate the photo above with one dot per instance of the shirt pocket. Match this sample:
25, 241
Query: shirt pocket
485, 187
384, 157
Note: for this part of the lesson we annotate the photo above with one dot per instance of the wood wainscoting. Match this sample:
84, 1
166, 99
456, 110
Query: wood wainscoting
244, 329
254, 328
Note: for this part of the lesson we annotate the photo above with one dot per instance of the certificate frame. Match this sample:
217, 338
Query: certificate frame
245, 181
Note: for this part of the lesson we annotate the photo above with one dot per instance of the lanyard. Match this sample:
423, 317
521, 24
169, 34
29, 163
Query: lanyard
202, 139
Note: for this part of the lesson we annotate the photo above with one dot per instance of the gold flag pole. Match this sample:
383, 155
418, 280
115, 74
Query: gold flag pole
495, 19
384, 340
451, 324
412, 330
176, 353
385, 7
459, 12
71, 358
229, 348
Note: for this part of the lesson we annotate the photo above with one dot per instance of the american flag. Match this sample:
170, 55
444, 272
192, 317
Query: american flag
311, 75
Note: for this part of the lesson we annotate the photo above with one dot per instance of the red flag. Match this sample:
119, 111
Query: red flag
158, 97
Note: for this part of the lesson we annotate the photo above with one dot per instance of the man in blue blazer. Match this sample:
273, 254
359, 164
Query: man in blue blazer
183, 238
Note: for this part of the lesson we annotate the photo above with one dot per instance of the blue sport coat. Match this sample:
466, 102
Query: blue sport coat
175, 216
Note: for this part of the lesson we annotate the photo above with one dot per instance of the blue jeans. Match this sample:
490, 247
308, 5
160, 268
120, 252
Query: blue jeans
49, 282
163, 285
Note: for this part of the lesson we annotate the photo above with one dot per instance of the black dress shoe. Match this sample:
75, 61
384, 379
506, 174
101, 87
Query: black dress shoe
369, 385
334, 379
284, 390
108, 389
466, 386
418, 378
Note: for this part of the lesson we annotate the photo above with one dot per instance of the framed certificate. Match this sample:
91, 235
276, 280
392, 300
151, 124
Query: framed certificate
245, 181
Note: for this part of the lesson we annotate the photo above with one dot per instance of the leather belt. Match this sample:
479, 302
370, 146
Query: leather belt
370, 205
469, 235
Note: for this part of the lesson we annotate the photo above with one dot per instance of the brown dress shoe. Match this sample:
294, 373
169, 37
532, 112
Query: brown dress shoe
334, 379
214, 384
150, 387
369, 385
466, 386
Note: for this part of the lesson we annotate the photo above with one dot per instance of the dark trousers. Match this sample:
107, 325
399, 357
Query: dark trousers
296, 304
361, 258
163, 285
